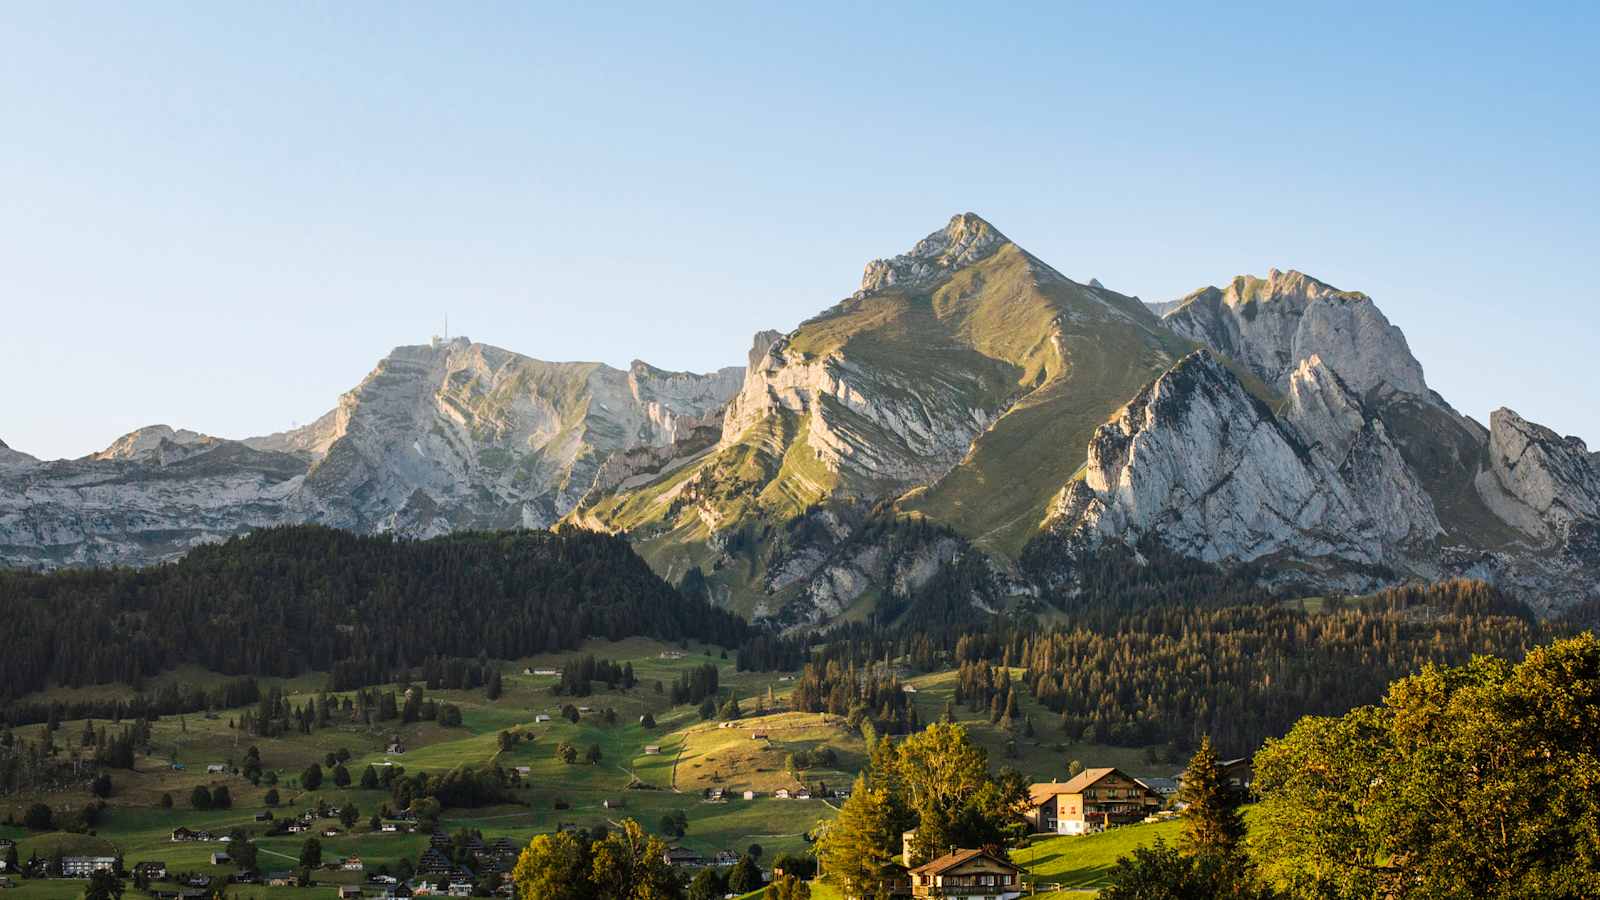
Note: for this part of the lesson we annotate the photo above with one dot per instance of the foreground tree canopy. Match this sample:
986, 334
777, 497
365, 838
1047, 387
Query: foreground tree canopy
1476, 781
626, 864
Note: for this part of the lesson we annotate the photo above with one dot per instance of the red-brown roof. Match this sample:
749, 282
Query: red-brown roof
1077, 784
951, 860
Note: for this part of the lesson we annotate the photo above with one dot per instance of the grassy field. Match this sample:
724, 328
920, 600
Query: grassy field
1081, 862
732, 759
627, 782
1077, 864
136, 826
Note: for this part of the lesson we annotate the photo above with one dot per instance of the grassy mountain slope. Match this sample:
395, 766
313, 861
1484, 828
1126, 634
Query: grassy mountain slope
969, 395
998, 494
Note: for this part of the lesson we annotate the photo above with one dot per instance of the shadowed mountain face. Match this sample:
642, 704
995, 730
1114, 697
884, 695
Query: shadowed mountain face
966, 407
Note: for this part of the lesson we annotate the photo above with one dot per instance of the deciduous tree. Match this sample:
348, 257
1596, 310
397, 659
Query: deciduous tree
1476, 781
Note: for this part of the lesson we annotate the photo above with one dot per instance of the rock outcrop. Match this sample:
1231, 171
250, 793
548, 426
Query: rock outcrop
1211, 472
134, 511
874, 423
1537, 480
964, 241
154, 441
1436, 493
1271, 325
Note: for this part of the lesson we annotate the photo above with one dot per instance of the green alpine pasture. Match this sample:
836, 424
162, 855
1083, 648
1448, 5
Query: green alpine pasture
692, 757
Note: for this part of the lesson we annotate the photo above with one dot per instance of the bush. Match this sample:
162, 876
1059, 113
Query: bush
311, 854
38, 818
802, 867
745, 877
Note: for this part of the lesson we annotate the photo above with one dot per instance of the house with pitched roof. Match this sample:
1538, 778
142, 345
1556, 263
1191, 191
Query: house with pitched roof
1237, 774
683, 856
1092, 800
967, 874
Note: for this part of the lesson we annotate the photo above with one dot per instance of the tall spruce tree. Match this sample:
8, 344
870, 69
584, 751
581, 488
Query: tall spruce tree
1212, 825
857, 850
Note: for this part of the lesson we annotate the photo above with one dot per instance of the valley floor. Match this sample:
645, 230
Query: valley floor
693, 756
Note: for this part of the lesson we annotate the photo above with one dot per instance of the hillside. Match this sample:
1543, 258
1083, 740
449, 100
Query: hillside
286, 600
695, 755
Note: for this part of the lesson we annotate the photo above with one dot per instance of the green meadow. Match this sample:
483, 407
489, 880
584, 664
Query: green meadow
694, 757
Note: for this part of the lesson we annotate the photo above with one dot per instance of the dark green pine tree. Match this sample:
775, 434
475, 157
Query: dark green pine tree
745, 876
1212, 825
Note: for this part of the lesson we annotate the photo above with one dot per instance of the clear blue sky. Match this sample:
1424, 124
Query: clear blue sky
219, 216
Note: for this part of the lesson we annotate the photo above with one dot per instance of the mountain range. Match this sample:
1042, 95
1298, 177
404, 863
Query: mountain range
970, 419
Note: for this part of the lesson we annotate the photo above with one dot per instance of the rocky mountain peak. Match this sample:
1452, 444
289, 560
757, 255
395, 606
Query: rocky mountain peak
1272, 324
965, 240
9, 456
144, 443
1279, 285
760, 345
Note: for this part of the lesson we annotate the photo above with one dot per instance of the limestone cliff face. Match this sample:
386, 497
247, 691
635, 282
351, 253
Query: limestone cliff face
436, 438
467, 435
1538, 480
875, 424
133, 511
1210, 471
1546, 491
1271, 325
1342, 431
881, 419
1390, 481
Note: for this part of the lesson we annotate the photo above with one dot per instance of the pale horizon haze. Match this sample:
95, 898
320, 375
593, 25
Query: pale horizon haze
221, 217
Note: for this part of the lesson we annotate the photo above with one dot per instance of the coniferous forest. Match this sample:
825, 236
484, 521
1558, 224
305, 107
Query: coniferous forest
1196, 657
1172, 672
283, 601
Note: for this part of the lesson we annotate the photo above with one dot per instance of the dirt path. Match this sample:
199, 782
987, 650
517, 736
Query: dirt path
682, 746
